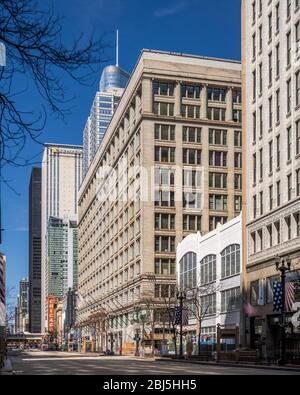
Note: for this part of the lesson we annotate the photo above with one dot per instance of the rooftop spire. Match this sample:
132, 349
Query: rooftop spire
117, 50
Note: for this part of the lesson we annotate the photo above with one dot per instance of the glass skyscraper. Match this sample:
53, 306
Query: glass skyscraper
112, 84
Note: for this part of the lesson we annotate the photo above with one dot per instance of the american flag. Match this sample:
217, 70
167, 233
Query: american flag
289, 296
181, 314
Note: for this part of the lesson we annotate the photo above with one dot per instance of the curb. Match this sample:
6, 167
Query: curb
231, 365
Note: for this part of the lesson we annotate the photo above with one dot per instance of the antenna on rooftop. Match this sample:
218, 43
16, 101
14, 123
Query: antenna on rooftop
117, 50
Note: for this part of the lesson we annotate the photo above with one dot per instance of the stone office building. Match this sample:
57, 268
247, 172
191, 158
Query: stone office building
169, 165
271, 82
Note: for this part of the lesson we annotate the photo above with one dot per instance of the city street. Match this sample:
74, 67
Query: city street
57, 363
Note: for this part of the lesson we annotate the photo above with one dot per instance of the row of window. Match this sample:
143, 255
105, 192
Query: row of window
259, 200
193, 92
193, 112
194, 157
230, 266
194, 135
276, 233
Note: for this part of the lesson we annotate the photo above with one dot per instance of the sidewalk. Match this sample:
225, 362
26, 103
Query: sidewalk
7, 369
288, 368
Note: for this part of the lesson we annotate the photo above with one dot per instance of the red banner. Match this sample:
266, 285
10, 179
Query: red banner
51, 314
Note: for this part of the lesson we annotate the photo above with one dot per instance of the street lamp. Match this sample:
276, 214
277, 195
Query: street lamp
283, 265
181, 296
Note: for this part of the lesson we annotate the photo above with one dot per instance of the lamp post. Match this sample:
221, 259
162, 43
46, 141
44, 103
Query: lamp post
283, 265
181, 296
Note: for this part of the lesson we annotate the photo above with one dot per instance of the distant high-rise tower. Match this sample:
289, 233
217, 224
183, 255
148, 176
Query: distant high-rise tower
35, 258
61, 179
22, 309
112, 84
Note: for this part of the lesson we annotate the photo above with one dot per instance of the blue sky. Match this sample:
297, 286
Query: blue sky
202, 27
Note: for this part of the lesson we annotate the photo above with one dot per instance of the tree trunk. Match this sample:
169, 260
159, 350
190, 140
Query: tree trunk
199, 341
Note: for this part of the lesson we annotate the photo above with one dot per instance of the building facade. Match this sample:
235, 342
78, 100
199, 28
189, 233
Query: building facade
169, 165
271, 81
112, 84
61, 179
62, 256
22, 308
212, 265
35, 256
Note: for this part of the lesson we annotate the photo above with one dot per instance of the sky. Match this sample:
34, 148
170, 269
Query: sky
200, 27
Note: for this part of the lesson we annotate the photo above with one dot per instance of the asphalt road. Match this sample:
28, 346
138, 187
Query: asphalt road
57, 363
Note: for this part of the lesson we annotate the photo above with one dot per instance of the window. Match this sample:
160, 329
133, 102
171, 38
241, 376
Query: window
216, 94
271, 188
188, 271
231, 261
298, 88
254, 293
290, 187
278, 152
237, 139
278, 60
214, 221
278, 105
289, 144
270, 26
217, 137
191, 156
270, 68
270, 156
209, 304
218, 158
191, 135
238, 204
278, 193
164, 244
298, 182
164, 109
164, 221
164, 155
190, 91
165, 267
254, 160
188, 111
298, 138
261, 164
164, 199
208, 269
216, 114
238, 182
163, 88
192, 223
192, 200
218, 202
164, 177
165, 132
164, 291
270, 112
237, 96
237, 160
289, 96
237, 116
192, 178
289, 48
230, 300
218, 180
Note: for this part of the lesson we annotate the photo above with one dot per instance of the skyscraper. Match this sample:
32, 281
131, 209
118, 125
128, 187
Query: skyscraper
112, 84
62, 255
22, 308
61, 179
271, 88
35, 257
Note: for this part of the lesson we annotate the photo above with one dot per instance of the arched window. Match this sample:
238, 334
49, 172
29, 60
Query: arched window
231, 261
188, 271
208, 269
